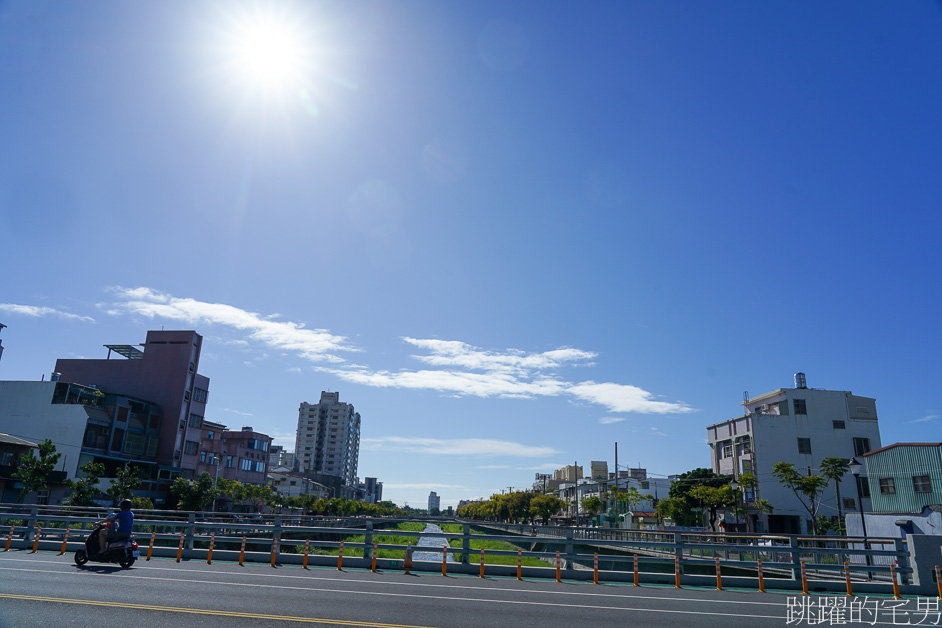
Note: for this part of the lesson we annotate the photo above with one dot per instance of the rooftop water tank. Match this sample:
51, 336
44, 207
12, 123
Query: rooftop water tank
800, 381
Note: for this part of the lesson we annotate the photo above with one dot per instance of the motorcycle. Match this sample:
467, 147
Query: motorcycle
122, 552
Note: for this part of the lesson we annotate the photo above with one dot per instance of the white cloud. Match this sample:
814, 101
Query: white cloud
623, 398
455, 446
237, 412
42, 312
312, 344
925, 419
456, 368
608, 420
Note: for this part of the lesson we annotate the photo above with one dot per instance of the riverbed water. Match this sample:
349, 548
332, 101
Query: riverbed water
431, 542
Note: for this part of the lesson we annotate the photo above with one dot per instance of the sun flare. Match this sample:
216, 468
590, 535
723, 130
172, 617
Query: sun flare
268, 53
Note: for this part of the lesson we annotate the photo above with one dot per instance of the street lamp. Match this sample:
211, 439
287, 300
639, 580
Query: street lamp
735, 486
856, 468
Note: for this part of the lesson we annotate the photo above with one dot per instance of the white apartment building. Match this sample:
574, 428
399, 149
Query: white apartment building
328, 439
802, 426
434, 502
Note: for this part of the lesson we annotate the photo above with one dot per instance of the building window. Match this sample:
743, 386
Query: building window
804, 445
42, 497
645, 486
861, 446
6, 458
200, 395
190, 447
246, 465
727, 451
203, 456
922, 484
134, 444
863, 486
210, 435
229, 462
839, 425
887, 486
850, 503
196, 420
800, 406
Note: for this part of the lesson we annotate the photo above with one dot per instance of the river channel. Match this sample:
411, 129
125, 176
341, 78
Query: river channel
429, 542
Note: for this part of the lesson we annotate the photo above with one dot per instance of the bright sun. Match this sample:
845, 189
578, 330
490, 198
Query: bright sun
268, 53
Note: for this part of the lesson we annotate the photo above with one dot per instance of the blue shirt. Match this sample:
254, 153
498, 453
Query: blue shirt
125, 520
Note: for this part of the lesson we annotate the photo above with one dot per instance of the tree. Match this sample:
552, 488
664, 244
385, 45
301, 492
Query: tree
125, 481
834, 469
231, 490
258, 494
543, 506
592, 506
193, 494
714, 498
85, 490
33, 470
807, 488
683, 511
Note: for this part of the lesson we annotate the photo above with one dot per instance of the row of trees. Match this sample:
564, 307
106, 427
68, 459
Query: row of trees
514, 507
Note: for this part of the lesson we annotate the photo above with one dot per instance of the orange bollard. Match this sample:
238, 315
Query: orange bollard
9, 539
677, 572
150, 548
804, 579
938, 580
209, 556
373, 566
761, 579
636, 570
340, 558
558, 574
444, 562
850, 592
64, 542
307, 547
519, 564
242, 552
274, 550
36, 543
407, 561
719, 575
482, 562
896, 594
595, 569
180, 549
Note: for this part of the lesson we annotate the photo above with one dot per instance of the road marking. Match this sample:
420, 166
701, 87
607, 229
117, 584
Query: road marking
205, 611
770, 601
440, 597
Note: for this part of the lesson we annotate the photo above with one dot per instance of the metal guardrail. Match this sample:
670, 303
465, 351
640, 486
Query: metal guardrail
614, 555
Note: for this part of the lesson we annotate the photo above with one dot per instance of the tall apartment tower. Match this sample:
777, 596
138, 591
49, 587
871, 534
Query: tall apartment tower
434, 502
328, 438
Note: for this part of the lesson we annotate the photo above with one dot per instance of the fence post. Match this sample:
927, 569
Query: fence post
795, 556
482, 563
190, 531
466, 544
904, 578
569, 548
368, 539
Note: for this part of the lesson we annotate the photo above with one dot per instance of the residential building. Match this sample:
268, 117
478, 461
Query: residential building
291, 484
544, 482
278, 457
239, 455
328, 438
12, 450
569, 473
904, 481
598, 470
801, 426
165, 372
372, 490
434, 502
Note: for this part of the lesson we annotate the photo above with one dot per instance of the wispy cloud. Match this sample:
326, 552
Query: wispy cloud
608, 420
926, 419
455, 446
237, 412
453, 367
311, 344
42, 312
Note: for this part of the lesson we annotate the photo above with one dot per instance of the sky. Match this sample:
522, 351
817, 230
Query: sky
511, 234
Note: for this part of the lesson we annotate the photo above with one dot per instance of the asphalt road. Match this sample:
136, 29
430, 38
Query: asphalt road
48, 590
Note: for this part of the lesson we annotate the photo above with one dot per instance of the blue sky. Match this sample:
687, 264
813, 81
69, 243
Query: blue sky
510, 233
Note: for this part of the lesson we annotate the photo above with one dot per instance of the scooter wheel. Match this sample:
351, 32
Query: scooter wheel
81, 557
126, 562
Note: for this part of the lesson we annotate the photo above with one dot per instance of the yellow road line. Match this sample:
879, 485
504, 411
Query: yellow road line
205, 611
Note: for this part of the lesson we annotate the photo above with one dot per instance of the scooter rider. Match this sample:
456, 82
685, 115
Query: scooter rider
125, 522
